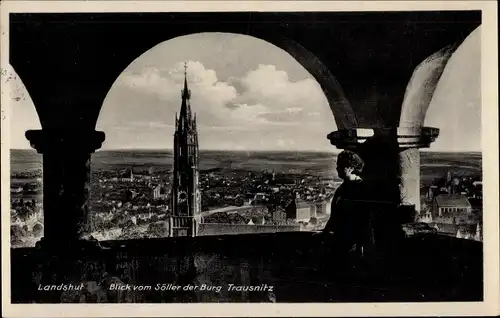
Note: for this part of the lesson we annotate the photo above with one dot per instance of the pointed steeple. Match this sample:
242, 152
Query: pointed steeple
186, 93
185, 115
185, 168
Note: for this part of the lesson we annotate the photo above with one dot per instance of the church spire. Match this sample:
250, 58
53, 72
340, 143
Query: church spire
185, 114
186, 93
186, 197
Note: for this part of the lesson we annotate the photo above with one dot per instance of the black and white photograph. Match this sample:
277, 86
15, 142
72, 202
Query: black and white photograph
248, 156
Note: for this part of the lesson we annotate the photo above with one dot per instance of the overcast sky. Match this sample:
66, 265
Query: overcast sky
249, 95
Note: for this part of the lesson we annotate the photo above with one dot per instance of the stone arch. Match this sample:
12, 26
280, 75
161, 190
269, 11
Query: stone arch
20, 105
339, 105
22, 115
463, 94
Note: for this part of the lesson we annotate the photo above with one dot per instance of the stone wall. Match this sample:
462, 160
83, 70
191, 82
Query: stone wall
297, 265
225, 229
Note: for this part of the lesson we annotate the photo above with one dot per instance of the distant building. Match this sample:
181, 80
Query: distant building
259, 199
446, 229
466, 218
426, 217
160, 192
477, 183
444, 190
469, 232
320, 208
144, 216
328, 208
282, 179
127, 176
304, 211
450, 204
477, 190
16, 190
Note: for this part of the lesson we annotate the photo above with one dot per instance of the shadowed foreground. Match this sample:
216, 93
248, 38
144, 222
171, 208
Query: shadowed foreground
426, 268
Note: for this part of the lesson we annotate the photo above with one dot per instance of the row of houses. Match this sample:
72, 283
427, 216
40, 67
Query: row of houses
464, 231
452, 214
303, 211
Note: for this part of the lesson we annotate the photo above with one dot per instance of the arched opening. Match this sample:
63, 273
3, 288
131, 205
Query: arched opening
26, 169
262, 120
459, 89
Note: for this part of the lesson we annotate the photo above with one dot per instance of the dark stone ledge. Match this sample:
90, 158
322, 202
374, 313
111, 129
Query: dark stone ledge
299, 266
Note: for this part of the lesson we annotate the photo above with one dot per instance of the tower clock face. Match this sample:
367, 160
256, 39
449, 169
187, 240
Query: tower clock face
182, 196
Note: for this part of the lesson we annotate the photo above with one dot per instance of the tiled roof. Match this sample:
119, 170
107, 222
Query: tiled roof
452, 200
447, 228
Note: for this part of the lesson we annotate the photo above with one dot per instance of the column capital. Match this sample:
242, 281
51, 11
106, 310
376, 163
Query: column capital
405, 137
80, 141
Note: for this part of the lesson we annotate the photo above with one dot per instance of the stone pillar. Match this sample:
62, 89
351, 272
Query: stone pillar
392, 160
409, 181
66, 181
390, 147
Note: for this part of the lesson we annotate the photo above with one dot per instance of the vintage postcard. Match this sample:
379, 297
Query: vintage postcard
278, 158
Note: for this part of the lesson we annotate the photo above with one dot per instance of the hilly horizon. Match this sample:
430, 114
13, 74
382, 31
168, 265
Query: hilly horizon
432, 164
165, 150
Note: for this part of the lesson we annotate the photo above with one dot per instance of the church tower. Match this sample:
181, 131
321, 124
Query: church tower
186, 196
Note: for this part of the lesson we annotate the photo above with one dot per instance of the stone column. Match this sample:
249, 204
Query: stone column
389, 147
409, 181
392, 160
66, 181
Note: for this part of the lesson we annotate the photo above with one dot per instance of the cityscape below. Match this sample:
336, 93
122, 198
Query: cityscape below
152, 194
242, 191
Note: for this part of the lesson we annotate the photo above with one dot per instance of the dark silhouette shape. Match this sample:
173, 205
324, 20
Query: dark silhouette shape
350, 219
